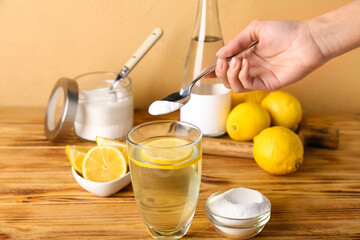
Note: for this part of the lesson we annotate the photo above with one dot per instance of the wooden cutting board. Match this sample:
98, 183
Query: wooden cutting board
311, 136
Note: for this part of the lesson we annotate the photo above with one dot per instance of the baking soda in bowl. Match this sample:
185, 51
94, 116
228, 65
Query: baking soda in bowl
239, 203
238, 213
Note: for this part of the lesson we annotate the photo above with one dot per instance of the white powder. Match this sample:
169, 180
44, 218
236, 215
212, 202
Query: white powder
104, 113
163, 107
239, 203
237, 212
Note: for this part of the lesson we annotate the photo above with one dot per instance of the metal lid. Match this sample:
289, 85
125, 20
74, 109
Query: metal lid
69, 89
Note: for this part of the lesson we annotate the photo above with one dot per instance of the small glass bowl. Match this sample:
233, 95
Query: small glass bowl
237, 228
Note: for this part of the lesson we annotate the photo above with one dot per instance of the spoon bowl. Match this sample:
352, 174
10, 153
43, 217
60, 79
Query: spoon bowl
181, 97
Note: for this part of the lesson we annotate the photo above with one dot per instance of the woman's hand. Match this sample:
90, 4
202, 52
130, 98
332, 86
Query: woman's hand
286, 53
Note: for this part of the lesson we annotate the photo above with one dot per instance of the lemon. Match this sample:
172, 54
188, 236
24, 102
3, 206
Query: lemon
253, 96
247, 120
76, 156
168, 153
284, 109
278, 150
100, 141
169, 150
103, 164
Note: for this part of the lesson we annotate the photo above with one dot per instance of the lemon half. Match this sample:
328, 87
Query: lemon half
104, 164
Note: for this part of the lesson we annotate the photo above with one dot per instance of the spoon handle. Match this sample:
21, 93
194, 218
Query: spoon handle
144, 48
140, 52
242, 51
227, 59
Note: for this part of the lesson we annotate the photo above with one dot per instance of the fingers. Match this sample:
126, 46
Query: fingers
221, 71
209, 75
233, 75
235, 45
244, 75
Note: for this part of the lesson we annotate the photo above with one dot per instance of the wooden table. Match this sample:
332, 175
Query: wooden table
39, 198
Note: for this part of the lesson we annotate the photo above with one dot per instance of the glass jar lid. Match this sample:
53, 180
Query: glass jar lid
61, 109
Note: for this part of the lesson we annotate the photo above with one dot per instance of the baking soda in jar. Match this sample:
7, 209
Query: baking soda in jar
103, 112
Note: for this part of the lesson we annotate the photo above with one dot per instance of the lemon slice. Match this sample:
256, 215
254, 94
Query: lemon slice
175, 166
76, 156
114, 143
164, 151
103, 164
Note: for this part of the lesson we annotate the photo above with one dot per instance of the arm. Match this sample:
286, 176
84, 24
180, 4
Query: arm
338, 31
288, 50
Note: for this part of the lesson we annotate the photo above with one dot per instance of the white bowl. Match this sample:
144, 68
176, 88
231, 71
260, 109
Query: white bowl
102, 189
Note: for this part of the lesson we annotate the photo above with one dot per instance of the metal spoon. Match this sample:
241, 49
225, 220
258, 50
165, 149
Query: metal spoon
142, 50
184, 96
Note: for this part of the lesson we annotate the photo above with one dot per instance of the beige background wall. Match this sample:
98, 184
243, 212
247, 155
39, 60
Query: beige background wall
43, 40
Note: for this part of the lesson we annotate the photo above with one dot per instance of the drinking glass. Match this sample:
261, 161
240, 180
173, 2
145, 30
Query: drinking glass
165, 165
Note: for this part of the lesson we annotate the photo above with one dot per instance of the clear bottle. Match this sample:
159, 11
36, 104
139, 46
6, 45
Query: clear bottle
210, 101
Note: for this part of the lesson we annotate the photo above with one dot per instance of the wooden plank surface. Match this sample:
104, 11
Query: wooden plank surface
39, 198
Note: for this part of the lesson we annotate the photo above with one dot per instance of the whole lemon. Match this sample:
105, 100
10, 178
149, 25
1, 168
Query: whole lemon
253, 96
284, 109
246, 120
278, 150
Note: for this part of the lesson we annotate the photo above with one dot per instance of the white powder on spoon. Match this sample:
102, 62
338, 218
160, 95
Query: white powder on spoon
239, 203
163, 107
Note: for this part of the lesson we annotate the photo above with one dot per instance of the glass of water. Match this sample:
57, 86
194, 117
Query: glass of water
165, 164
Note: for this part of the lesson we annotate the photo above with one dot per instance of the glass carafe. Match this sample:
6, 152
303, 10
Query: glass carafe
210, 101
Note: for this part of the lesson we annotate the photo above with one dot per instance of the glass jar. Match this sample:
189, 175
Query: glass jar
103, 112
